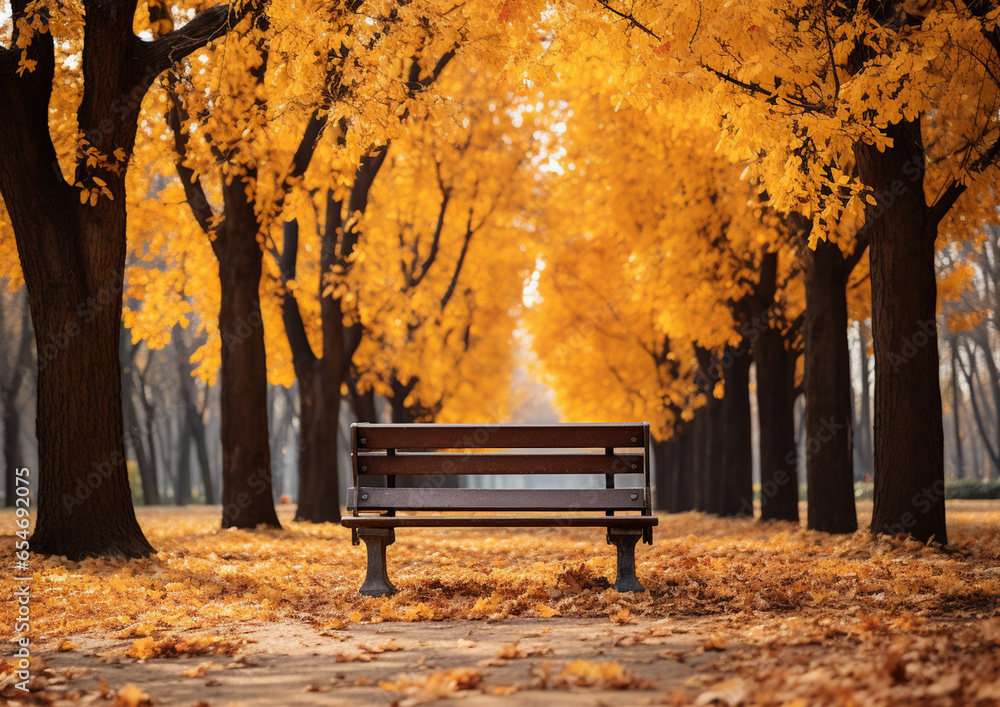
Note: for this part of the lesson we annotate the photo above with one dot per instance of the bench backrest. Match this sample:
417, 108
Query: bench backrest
395, 450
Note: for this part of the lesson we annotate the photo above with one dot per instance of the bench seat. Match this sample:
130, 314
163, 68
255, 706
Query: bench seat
499, 521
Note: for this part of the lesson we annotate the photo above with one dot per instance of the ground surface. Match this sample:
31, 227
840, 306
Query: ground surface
737, 612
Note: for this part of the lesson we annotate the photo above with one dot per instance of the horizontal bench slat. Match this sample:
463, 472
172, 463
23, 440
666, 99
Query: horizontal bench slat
499, 522
411, 499
434, 436
453, 464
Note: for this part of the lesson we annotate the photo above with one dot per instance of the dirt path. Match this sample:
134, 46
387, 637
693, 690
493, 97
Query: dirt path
517, 661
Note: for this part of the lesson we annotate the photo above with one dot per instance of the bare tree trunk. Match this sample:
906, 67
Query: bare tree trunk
363, 404
699, 457
736, 491
994, 385
909, 434
828, 444
246, 456
683, 477
779, 486
972, 379
663, 463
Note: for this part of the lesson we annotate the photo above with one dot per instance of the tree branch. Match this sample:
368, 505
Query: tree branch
301, 159
193, 189
950, 195
469, 231
291, 315
435, 243
630, 18
426, 81
852, 259
207, 26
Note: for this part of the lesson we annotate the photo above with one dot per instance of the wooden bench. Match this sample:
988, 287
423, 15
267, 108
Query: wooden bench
431, 450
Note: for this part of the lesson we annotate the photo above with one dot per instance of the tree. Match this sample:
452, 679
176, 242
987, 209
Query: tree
850, 95
660, 278
70, 236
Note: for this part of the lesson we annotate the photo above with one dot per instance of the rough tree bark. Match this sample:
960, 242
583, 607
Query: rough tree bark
735, 493
707, 439
909, 433
779, 485
246, 455
827, 386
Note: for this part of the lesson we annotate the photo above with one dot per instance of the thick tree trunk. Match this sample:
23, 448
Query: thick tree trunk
73, 259
779, 479
736, 490
909, 434
683, 476
663, 468
246, 456
319, 418
709, 438
363, 404
779, 485
72, 254
84, 500
828, 445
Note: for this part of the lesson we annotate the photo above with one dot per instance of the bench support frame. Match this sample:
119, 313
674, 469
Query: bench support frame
377, 582
625, 540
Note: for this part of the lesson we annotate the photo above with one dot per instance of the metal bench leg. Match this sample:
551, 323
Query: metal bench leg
625, 539
377, 582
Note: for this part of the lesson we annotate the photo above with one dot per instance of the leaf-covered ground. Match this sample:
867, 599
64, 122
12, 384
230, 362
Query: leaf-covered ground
736, 612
